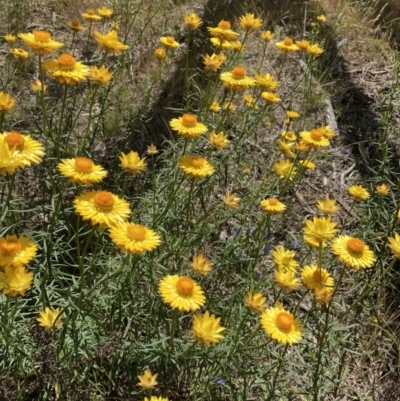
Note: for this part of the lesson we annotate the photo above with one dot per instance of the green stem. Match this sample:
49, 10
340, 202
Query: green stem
82, 147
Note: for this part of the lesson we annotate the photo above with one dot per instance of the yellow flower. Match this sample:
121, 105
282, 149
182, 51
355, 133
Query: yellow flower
266, 82
19, 54
307, 164
232, 201
314, 50
237, 46
75, 26
395, 245
302, 44
315, 277
147, 379
50, 318
237, 79
9, 38
272, 206
358, 192
207, 329
196, 166
250, 101
320, 228
91, 16
152, 150
105, 12
230, 106
286, 280
81, 170
214, 62
66, 70
16, 251
321, 18
201, 265
315, 138
134, 238
132, 163
383, 189
215, 107
287, 46
302, 146
285, 169
323, 295
7, 102
182, 293
15, 280
286, 149
154, 398
220, 44
256, 302
40, 42
100, 76
292, 114
193, 21
109, 42
219, 141
223, 31
281, 325
327, 132
160, 54
353, 252
187, 126
169, 42
249, 23
102, 207
270, 98
327, 206
9, 161
115, 25
288, 135
284, 259
23, 147
37, 86
267, 36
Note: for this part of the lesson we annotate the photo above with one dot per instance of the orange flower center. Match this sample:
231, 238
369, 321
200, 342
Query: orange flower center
320, 275
75, 23
185, 286
83, 164
10, 246
189, 120
273, 201
284, 320
224, 24
289, 134
355, 245
14, 138
197, 161
42, 36
104, 200
66, 60
239, 73
288, 42
90, 11
136, 232
170, 39
316, 134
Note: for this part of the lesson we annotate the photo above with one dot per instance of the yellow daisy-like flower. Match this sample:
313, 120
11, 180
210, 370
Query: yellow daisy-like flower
302, 44
288, 135
395, 245
81, 170
201, 265
207, 329
19, 54
358, 192
320, 228
66, 70
281, 325
256, 302
134, 238
37, 86
250, 101
284, 259
23, 147
315, 138
9, 38
272, 206
323, 295
187, 126
230, 106
302, 146
105, 12
154, 398
307, 164
215, 107
270, 98
7, 102
221, 44
287, 46
214, 62
315, 277
9, 161
16, 251
169, 42
218, 141
237, 79
91, 16
40, 42
15, 280
327, 206
267, 36
292, 114
382, 190
327, 132
147, 380
314, 50
285, 169
266, 82
286, 149
75, 26
286, 280
132, 163
223, 31
196, 166
193, 21
102, 207
353, 252
181, 292
232, 201
237, 46
109, 42
321, 18
160, 54
152, 150
50, 318
100, 76
249, 23
313, 242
